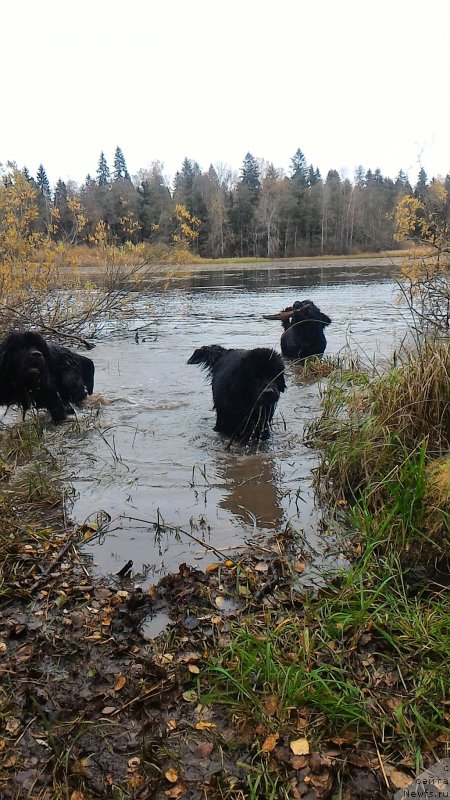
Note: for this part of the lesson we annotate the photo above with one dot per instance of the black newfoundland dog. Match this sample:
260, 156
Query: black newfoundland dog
36, 373
246, 386
303, 325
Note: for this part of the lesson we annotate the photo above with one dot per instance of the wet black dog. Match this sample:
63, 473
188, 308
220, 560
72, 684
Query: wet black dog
246, 386
303, 325
36, 373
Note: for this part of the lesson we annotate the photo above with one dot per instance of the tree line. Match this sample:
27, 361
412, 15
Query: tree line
260, 212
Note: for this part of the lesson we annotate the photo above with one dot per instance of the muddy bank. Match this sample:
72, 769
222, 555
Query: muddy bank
93, 706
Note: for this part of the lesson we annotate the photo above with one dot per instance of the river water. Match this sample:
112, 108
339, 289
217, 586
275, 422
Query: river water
150, 454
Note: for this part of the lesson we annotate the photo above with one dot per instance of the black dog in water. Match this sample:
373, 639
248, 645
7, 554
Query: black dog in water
303, 325
246, 386
36, 373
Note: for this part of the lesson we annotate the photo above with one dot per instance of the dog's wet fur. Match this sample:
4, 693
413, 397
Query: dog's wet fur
246, 386
36, 373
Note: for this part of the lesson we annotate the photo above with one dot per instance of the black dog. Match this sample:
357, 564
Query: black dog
303, 325
246, 386
36, 373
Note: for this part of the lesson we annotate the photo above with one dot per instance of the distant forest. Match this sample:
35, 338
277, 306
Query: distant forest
260, 212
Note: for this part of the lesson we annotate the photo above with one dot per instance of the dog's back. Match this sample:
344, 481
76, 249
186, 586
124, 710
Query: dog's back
246, 385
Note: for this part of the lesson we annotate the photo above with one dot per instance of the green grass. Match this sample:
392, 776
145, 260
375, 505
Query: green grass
367, 659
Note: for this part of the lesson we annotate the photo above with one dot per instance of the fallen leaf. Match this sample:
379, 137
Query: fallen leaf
12, 725
136, 781
204, 749
194, 669
299, 762
261, 566
171, 724
108, 709
212, 567
271, 705
300, 747
201, 726
399, 779
190, 696
176, 791
219, 601
77, 796
172, 775
134, 763
270, 742
299, 567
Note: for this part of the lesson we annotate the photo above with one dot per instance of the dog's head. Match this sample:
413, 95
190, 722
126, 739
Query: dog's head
24, 359
300, 311
306, 310
264, 370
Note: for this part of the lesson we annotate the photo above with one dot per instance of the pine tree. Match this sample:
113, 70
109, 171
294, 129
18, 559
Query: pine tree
299, 169
103, 173
60, 194
42, 183
120, 168
421, 185
250, 173
28, 177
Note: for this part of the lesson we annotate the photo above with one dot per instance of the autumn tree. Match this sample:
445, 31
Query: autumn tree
187, 226
217, 201
425, 221
27, 257
268, 210
154, 204
68, 215
189, 192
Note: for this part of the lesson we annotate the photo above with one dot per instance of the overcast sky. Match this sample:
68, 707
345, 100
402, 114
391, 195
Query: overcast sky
348, 81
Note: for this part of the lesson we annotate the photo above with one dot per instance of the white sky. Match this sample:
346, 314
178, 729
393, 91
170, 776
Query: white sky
348, 81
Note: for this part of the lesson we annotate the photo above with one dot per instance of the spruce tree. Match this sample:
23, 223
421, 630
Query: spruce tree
120, 171
250, 173
421, 185
103, 174
42, 183
299, 169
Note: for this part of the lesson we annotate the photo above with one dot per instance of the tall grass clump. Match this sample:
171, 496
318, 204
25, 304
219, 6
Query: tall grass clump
385, 441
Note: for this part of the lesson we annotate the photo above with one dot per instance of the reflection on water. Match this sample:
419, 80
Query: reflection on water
252, 493
152, 459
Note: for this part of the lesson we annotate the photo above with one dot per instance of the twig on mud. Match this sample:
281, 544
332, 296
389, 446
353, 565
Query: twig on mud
44, 578
159, 688
380, 761
207, 546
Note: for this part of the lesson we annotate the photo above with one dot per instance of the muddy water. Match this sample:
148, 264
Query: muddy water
151, 455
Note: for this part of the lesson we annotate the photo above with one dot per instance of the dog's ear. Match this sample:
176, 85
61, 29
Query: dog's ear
323, 318
88, 373
6, 351
207, 356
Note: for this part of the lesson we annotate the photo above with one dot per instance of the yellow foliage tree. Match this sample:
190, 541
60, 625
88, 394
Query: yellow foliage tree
28, 259
425, 271
188, 225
